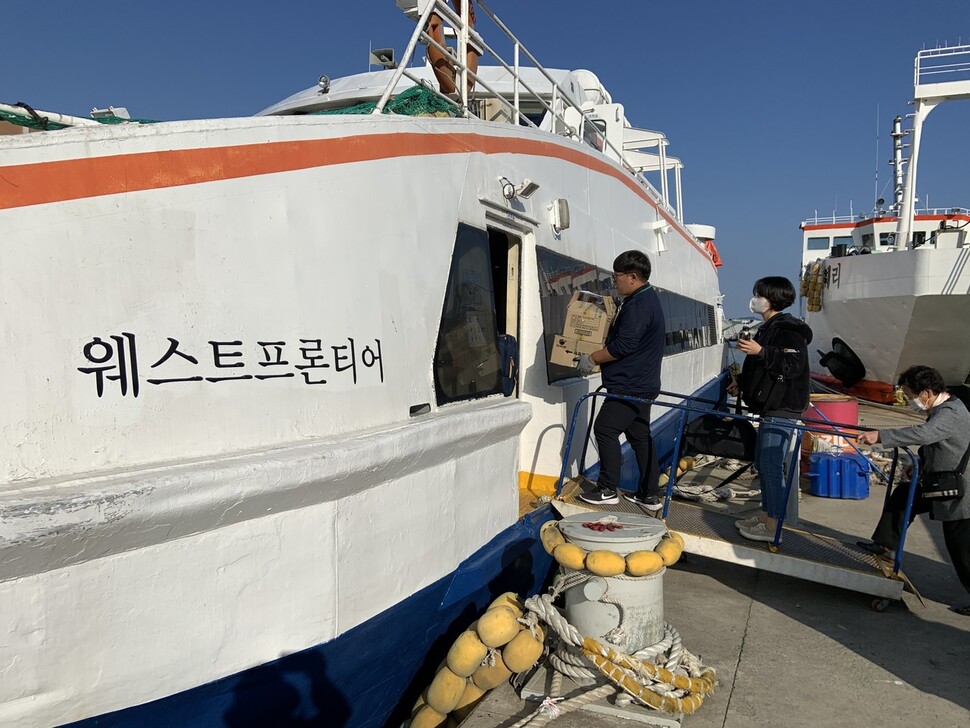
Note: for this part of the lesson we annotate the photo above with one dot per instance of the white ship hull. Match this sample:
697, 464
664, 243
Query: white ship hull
899, 309
161, 535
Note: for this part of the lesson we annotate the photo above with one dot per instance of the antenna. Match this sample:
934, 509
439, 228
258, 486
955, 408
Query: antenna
876, 196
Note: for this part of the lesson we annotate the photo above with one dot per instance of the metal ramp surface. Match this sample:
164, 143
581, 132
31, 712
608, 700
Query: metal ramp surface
710, 531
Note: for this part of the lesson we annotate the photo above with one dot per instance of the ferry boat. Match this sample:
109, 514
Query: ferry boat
888, 289
263, 437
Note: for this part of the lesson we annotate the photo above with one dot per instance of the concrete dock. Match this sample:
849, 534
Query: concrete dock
795, 653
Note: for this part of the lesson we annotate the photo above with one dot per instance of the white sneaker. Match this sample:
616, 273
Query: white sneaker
747, 522
759, 533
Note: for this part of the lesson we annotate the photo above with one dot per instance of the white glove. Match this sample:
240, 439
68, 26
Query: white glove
585, 364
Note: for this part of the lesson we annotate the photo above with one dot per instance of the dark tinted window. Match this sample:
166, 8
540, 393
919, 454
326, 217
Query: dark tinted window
466, 363
689, 324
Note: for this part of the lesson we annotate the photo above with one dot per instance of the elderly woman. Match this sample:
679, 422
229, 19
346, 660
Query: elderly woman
945, 439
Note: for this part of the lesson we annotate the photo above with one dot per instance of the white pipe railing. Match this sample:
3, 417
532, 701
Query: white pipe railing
465, 34
51, 116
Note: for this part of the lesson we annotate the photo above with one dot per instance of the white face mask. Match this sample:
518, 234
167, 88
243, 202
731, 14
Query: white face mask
917, 405
758, 305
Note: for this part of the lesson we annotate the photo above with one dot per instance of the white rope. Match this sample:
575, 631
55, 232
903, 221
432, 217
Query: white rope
669, 653
544, 713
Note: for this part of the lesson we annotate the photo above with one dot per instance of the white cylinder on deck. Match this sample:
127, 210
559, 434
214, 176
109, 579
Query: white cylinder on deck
641, 609
702, 232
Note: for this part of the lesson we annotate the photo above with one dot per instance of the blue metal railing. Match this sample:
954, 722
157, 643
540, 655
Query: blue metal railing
824, 426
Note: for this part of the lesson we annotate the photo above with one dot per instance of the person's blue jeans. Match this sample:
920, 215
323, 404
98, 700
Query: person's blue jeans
770, 457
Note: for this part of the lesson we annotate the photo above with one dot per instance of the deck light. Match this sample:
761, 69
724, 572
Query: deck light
559, 214
526, 188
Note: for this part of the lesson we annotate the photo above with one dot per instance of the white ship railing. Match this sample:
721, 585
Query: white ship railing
942, 65
421, 11
881, 215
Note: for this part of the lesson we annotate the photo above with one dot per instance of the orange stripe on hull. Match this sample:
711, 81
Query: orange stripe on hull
75, 179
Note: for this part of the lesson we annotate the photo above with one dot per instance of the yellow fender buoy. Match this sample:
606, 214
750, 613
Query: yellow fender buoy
497, 626
669, 550
491, 676
428, 717
605, 563
445, 691
551, 536
522, 652
570, 556
643, 563
510, 600
466, 654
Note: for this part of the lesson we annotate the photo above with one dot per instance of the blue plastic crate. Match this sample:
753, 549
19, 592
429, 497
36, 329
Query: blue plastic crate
844, 475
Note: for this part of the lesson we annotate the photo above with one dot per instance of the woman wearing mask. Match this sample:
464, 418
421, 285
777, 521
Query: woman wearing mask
945, 440
774, 384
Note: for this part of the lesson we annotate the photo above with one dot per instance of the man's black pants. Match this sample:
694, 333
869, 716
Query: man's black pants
633, 420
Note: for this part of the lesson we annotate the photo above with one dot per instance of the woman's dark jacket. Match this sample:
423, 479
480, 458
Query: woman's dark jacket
775, 383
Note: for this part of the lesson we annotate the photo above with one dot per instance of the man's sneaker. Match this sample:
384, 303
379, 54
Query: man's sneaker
600, 496
759, 532
651, 503
747, 522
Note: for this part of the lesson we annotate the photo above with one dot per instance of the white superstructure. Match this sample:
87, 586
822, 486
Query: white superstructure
893, 283
252, 394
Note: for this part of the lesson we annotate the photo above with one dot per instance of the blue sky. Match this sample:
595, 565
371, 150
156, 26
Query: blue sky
771, 105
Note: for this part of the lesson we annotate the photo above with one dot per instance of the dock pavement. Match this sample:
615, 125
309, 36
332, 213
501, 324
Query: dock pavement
795, 653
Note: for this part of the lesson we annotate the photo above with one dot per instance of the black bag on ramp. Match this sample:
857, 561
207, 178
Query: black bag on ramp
723, 437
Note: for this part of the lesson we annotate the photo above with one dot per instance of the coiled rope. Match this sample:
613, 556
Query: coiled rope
664, 676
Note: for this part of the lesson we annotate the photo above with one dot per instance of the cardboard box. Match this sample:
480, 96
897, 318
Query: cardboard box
566, 351
588, 317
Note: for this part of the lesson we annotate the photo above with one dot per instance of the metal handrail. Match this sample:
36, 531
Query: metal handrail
922, 73
887, 216
442, 8
685, 409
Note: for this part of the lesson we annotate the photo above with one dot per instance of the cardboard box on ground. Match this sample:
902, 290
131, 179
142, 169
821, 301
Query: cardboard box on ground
588, 319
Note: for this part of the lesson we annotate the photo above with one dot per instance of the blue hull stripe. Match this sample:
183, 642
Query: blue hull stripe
370, 676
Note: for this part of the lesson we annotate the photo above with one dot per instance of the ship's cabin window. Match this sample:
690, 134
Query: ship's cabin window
467, 363
867, 241
845, 240
594, 133
689, 324
817, 244
919, 238
886, 239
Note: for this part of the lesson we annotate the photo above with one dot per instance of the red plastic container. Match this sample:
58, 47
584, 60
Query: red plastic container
836, 408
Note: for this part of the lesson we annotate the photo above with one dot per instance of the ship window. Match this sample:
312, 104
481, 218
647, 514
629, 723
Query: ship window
594, 133
919, 238
887, 239
845, 240
818, 243
689, 324
466, 363
560, 277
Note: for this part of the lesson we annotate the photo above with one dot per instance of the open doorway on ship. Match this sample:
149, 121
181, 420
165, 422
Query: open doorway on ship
477, 350
505, 251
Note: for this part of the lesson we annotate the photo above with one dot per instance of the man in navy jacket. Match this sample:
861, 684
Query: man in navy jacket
630, 363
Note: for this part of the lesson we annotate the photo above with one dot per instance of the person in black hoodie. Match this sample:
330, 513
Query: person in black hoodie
774, 383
